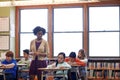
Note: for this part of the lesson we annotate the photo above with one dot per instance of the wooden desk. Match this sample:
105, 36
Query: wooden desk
52, 70
22, 68
21, 64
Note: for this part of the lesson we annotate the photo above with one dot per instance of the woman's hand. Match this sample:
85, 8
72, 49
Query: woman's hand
42, 54
38, 54
34, 53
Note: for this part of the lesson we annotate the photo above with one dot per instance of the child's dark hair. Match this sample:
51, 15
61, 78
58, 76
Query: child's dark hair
26, 51
61, 53
72, 55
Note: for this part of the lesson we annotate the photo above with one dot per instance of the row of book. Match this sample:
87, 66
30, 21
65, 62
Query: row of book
107, 65
94, 73
103, 74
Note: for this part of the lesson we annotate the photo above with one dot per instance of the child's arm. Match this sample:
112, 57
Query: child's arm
78, 62
66, 65
51, 66
8, 65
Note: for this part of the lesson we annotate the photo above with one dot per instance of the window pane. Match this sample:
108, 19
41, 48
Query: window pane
31, 18
104, 18
67, 42
68, 19
104, 44
25, 40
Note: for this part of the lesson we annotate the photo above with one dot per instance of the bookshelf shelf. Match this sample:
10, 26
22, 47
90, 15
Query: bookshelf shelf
103, 69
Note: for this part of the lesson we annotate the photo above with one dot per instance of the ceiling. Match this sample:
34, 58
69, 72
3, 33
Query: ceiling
5, 3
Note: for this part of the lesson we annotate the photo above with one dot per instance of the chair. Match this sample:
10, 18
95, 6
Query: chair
2, 74
74, 71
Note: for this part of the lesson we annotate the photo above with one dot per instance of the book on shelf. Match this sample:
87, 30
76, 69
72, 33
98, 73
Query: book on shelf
99, 74
117, 65
88, 73
105, 65
99, 65
91, 65
91, 73
110, 73
111, 65
117, 75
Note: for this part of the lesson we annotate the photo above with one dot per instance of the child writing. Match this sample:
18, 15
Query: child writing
60, 63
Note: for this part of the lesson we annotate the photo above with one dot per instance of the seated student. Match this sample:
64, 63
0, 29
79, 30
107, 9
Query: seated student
60, 63
25, 60
72, 60
10, 66
83, 58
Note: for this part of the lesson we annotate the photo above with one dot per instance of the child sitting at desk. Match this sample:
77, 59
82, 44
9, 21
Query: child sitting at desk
10, 66
60, 64
25, 60
73, 61
83, 58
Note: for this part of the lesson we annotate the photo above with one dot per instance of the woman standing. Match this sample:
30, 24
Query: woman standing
40, 49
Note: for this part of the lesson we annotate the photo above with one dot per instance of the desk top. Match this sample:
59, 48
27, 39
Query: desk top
21, 64
26, 70
52, 69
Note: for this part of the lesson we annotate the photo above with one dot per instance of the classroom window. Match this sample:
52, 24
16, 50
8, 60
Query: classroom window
68, 30
30, 18
104, 32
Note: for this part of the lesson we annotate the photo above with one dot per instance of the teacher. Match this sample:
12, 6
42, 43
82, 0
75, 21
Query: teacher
39, 50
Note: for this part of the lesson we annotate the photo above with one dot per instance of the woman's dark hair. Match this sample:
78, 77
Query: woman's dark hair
37, 29
61, 53
9, 54
82, 53
72, 55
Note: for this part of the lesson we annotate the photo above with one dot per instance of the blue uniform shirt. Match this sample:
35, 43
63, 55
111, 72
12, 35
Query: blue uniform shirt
11, 70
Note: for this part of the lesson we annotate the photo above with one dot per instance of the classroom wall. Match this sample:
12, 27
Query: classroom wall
9, 12
4, 11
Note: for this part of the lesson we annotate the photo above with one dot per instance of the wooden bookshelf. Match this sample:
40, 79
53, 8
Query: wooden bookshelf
103, 69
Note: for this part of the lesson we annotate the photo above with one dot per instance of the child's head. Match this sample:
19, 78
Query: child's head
72, 56
81, 54
9, 55
61, 57
26, 53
